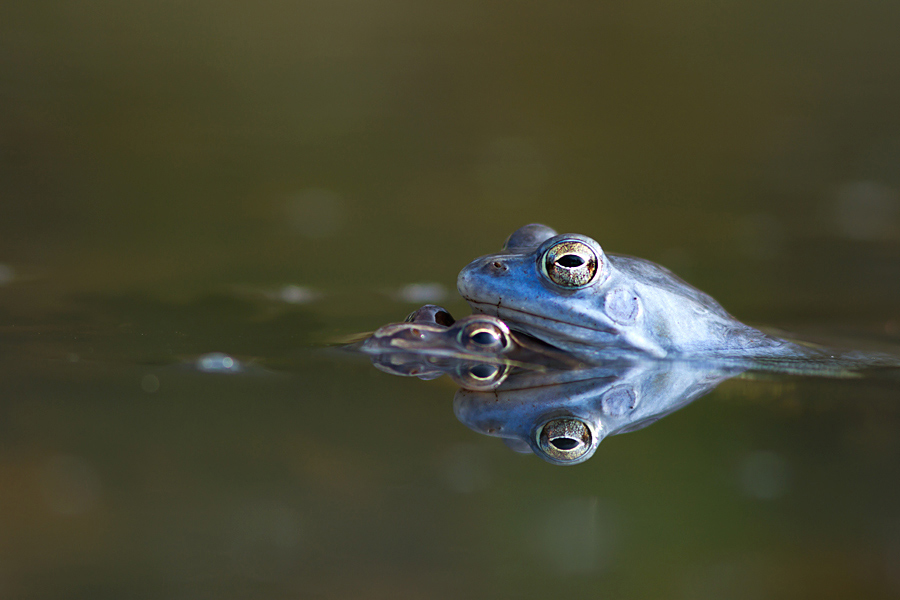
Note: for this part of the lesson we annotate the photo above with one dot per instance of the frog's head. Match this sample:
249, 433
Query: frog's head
562, 289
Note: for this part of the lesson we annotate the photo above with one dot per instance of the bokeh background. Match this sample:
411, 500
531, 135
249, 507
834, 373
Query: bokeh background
180, 178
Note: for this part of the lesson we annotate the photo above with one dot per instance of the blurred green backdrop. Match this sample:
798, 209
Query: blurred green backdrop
176, 144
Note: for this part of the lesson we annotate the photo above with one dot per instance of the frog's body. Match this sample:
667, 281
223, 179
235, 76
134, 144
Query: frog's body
564, 290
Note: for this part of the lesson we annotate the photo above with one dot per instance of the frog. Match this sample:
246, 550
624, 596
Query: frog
477, 351
565, 290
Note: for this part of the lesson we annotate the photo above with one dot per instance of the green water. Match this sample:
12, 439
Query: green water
178, 179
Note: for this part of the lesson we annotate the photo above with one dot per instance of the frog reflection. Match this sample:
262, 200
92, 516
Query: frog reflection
562, 416
540, 399
534, 396
566, 291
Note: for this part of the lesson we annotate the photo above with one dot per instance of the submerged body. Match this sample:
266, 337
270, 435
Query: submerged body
566, 291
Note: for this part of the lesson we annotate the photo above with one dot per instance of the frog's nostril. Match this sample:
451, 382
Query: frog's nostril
499, 265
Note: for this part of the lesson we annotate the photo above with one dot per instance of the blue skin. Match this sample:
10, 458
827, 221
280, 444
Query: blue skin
566, 291
604, 401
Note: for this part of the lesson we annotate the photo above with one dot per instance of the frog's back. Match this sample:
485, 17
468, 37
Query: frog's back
663, 279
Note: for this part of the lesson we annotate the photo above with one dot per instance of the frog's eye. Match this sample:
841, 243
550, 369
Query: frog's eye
485, 336
480, 377
430, 315
565, 441
571, 263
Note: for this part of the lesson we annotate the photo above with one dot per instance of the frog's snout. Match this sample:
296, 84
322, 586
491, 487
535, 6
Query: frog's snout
471, 280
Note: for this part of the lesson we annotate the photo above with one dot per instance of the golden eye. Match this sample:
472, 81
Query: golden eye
485, 336
480, 377
565, 440
571, 264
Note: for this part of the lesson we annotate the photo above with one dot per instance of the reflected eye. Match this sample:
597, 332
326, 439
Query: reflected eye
480, 377
571, 264
484, 372
565, 440
485, 336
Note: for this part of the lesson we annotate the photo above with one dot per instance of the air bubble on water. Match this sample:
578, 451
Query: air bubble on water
295, 294
218, 362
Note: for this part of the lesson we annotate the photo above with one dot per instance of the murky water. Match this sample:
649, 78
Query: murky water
182, 180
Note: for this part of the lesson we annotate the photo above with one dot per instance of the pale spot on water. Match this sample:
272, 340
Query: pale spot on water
217, 362
422, 292
295, 294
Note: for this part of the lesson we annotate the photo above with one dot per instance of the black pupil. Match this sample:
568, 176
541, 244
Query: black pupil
564, 443
483, 371
484, 338
570, 261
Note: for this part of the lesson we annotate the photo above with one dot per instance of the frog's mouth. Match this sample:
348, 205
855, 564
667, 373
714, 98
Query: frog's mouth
554, 331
